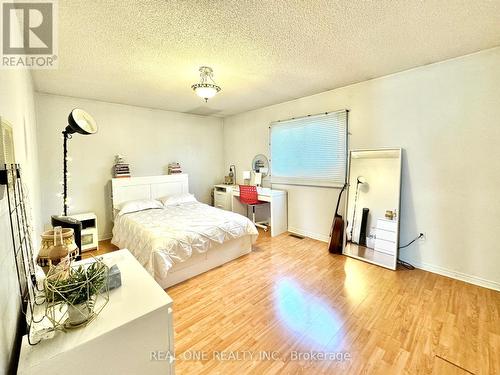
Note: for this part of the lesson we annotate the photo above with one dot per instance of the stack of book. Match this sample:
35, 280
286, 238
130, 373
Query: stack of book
121, 169
174, 168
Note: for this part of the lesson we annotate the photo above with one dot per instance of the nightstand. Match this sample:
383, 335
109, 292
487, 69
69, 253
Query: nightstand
223, 197
90, 240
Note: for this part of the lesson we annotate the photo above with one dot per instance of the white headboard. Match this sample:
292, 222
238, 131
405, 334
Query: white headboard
151, 187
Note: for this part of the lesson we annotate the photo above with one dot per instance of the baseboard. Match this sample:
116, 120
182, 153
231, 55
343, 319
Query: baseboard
418, 264
106, 236
454, 274
313, 235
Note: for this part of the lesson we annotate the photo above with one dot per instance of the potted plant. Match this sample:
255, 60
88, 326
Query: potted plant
77, 288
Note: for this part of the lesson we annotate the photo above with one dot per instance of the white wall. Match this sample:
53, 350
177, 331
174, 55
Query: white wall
149, 139
17, 107
445, 116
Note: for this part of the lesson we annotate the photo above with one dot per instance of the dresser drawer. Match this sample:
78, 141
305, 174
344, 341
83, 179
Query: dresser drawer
384, 246
386, 235
388, 225
220, 194
222, 200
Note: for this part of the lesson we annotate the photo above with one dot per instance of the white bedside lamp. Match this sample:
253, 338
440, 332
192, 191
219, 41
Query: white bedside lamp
257, 179
246, 177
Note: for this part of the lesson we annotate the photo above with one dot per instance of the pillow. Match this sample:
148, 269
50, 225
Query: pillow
175, 200
139, 205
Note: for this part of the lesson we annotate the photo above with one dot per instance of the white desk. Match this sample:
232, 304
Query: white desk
278, 207
136, 321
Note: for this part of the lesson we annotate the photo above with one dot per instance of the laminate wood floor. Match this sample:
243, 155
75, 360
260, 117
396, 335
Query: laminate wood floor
280, 308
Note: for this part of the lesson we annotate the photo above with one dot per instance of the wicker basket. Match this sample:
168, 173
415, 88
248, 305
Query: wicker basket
48, 241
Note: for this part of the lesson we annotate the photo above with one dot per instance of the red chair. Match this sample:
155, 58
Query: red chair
250, 197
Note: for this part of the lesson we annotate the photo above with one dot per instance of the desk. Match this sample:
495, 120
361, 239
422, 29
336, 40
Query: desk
278, 207
136, 321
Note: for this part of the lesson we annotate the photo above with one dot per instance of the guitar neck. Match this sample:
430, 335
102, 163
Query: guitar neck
338, 200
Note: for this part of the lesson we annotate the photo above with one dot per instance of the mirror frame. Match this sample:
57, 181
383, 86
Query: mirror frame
346, 201
266, 160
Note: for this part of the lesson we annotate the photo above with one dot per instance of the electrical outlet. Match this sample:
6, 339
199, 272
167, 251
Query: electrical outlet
423, 237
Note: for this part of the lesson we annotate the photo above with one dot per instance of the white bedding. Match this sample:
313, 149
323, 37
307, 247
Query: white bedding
159, 238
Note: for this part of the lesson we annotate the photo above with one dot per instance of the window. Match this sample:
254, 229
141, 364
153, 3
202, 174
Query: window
310, 150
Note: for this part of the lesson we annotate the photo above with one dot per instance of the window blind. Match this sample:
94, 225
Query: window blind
310, 150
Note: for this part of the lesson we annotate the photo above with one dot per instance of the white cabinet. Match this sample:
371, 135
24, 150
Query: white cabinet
133, 334
223, 197
386, 236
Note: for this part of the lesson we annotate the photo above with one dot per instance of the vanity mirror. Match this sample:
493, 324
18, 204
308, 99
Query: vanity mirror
372, 206
260, 164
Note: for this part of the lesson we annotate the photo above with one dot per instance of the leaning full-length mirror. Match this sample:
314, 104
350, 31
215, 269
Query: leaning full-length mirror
373, 201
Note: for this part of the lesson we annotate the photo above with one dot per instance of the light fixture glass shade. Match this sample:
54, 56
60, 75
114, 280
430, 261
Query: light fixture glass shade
204, 89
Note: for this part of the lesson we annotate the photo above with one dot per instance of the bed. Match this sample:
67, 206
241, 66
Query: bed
177, 242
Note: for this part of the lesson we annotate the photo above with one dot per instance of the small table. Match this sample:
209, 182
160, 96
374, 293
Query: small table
133, 334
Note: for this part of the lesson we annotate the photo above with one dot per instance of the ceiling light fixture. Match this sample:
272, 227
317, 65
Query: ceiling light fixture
207, 87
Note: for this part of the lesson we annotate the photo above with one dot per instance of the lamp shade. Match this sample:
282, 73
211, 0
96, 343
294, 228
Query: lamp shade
207, 87
206, 91
81, 122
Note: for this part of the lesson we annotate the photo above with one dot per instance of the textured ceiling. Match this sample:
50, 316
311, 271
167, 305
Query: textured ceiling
147, 53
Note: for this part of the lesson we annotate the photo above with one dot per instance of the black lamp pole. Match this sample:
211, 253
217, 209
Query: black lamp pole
80, 122
358, 182
66, 136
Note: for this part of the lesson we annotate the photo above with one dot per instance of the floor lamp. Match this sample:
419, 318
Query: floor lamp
79, 122
361, 180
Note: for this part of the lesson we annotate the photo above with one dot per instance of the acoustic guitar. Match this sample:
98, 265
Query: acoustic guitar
337, 232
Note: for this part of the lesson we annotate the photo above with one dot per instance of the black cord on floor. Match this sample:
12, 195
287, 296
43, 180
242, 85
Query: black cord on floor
402, 262
412, 241
406, 264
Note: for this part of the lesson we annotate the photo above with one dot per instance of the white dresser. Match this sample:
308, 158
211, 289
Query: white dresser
386, 240
133, 330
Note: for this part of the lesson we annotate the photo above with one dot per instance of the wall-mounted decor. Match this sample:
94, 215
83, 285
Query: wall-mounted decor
6, 149
22, 244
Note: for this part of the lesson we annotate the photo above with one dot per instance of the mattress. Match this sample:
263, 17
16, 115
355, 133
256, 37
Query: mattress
160, 238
